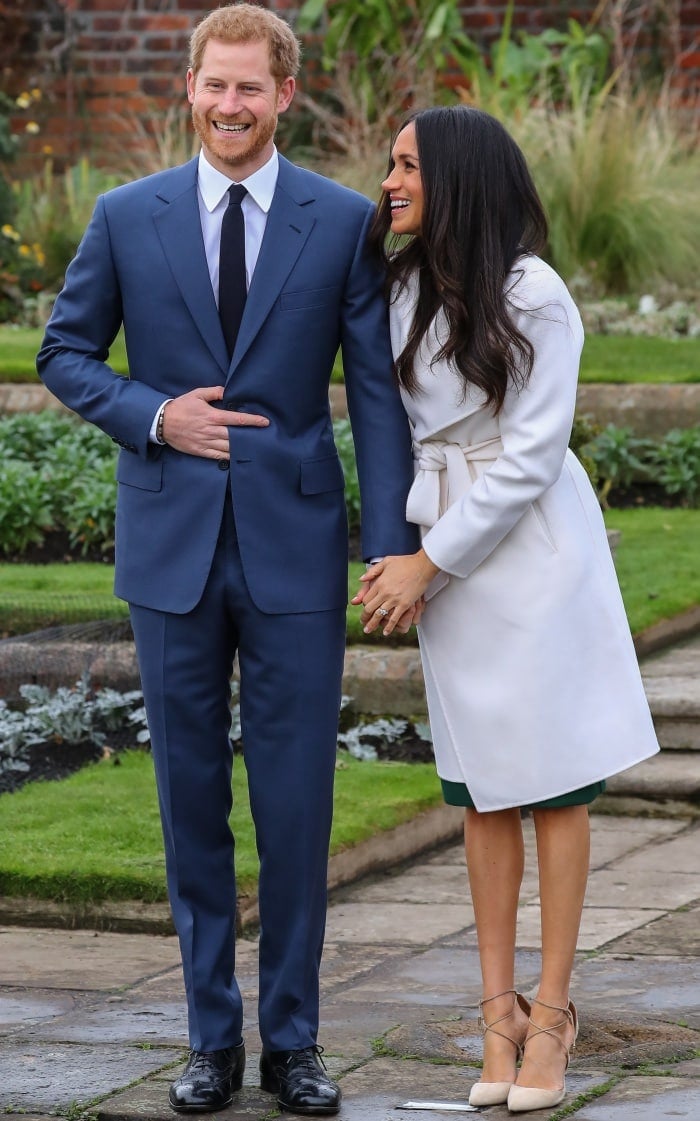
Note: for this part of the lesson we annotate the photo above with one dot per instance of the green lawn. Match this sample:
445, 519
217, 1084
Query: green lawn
18, 350
96, 835
657, 562
607, 358
617, 358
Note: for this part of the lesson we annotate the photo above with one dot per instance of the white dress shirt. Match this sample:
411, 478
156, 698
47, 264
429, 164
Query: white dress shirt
212, 196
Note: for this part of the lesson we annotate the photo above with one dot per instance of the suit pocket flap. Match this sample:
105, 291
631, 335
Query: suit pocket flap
319, 475
146, 474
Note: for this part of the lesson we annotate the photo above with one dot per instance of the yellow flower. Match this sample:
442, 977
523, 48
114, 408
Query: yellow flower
23, 101
47, 150
39, 253
32, 128
36, 94
10, 232
25, 251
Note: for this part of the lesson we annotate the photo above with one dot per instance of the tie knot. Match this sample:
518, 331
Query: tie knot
236, 194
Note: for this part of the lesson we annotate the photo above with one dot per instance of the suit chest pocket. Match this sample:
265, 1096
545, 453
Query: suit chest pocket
309, 298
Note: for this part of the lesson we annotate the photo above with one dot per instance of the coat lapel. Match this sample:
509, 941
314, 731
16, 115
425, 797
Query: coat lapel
180, 232
289, 224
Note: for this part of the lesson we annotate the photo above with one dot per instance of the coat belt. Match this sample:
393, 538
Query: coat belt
428, 499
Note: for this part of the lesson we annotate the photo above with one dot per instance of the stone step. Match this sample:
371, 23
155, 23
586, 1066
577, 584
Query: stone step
381, 681
390, 682
672, 776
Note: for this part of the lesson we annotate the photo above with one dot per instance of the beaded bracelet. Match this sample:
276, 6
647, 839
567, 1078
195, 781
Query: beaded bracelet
159, 424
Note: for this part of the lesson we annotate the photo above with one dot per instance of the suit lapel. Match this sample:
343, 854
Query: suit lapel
289, 224
180, 232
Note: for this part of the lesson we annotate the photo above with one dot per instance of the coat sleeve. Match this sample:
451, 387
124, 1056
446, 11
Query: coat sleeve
535, 427
72, 361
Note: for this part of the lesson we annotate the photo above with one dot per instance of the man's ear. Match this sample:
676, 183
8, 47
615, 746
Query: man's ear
285, 93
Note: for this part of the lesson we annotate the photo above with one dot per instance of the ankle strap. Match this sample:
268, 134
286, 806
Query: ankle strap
495, 996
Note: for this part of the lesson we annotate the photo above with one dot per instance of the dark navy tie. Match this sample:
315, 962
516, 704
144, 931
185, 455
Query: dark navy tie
232, 279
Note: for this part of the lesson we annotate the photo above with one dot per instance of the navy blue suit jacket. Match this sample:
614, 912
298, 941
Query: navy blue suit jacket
142, 262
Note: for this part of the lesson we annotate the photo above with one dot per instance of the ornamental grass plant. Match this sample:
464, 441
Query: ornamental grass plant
618, 174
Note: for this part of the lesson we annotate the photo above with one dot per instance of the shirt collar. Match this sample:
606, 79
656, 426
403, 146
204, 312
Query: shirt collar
213, 184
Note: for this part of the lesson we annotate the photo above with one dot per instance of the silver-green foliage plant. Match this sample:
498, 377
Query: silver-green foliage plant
65, 715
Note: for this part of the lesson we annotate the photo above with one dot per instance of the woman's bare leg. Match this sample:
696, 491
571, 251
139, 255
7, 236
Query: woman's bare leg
495, 861
563, 855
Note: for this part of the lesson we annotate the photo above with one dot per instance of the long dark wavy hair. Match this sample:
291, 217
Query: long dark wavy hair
481, 212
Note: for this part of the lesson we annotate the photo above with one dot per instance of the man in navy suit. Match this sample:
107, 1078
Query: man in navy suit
231, 532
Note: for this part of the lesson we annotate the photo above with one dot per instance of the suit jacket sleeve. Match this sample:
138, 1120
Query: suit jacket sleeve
72, 361
379, 423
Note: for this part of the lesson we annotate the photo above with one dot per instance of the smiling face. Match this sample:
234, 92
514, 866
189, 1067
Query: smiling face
235, 105
404, 185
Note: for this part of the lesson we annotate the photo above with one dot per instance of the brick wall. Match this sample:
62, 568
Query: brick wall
104, 63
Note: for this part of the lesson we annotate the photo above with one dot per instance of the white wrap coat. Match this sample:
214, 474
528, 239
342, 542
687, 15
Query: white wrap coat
532, 681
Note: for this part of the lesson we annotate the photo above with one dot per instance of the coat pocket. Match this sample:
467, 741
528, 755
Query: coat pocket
540, 519
321, 475
144, 474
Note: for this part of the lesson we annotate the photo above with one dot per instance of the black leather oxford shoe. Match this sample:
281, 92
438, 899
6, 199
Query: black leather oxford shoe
209, 1080
300, 1081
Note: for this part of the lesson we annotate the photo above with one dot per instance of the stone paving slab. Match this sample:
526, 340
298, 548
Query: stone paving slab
666, 988
25, 1008
675, 933
645, 1099
627, 885
397, 922
81, 959
599, 925
400, 977
46, 1076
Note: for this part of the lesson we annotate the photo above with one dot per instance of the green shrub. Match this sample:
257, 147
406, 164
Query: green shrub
346, 450
675, 463
622, 459
58, 475
26, 508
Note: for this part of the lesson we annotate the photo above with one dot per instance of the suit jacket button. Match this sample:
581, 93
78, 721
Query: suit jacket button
223, 464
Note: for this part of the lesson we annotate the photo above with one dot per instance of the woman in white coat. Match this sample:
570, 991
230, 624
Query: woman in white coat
533, 688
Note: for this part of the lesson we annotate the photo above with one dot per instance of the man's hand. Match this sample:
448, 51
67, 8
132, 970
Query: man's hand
192, 425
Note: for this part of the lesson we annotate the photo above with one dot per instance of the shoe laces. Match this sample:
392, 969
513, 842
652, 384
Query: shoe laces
307, 1056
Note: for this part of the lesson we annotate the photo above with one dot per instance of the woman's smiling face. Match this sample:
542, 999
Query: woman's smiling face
404, 185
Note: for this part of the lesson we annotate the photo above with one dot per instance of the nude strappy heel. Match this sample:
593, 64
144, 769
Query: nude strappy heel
524, 1098
496, 1093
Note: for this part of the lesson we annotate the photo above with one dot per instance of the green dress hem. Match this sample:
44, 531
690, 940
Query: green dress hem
457, 794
